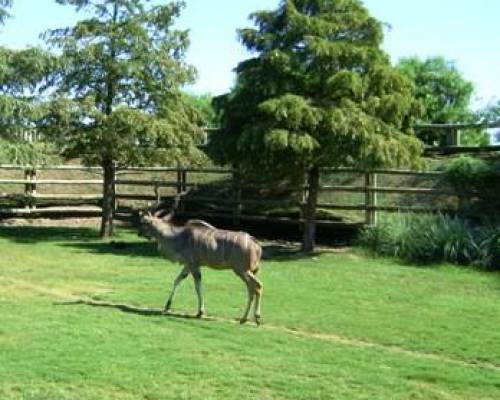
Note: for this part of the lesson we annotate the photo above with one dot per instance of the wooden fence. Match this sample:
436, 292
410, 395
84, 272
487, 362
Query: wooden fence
368, 185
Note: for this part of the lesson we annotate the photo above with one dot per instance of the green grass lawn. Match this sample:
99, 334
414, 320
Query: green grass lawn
338, 325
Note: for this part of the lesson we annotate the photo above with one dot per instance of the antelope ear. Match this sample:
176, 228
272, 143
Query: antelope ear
167, 217
143, 213
161, 213
147, 211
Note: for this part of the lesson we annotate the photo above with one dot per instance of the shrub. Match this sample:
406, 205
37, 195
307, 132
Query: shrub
466, 172
488, 247
383, 239
477, 184
427, 238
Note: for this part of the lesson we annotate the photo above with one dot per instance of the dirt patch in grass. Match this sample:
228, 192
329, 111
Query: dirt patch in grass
51, 222
70, 222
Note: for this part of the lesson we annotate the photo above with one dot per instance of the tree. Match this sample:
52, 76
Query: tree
117, 98
319, 92
203, 104
491, 113
445, 94
4, 4
21, 72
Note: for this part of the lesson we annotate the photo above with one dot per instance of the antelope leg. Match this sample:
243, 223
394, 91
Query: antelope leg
183, 274
258, 289
244, 318
199, 291
244, 277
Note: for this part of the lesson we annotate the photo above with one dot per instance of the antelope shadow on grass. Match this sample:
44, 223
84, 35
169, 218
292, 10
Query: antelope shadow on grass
131, 309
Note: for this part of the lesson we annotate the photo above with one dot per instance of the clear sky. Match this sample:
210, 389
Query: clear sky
465, 31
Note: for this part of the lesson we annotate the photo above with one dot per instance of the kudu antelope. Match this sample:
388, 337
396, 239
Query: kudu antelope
197, 244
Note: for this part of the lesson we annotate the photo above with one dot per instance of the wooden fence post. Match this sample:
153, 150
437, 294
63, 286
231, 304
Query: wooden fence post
115, 200
302, 204
370, 198
27, 188
182, 204
179, 179
33, 188
453, 137
237, 193
30, 188
184, 179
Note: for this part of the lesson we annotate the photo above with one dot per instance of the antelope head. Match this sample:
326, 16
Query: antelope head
158, 218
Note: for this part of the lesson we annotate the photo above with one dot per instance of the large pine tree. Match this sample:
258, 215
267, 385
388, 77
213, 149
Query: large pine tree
118, 99
319, 92
21, 74
4, 4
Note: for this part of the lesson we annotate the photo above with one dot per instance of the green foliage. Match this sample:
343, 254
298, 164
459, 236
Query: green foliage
476, 182
384, 238
4, 4
488, 246
203, 106
426, 239
22, 73
319, 92
491, 113
475, 137
27, 153
466, 173
446, 96
118, 92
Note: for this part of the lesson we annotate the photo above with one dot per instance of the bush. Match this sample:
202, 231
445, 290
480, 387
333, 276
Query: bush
407, 236
427, 238
488, 247
477, 184
466, 172
384, 238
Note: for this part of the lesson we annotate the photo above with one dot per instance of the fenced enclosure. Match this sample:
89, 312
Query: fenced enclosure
346, 195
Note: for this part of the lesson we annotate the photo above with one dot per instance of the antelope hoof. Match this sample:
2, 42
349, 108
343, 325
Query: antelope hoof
200, 314
243, 320
167, 307
258, 320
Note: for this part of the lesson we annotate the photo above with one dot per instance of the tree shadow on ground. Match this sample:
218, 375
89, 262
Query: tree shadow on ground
277, 251
38, 234
87, 239
117, 248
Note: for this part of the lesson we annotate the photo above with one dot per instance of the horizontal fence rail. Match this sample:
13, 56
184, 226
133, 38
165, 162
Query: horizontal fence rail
234, 201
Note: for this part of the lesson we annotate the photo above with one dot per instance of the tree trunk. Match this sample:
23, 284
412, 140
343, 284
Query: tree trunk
108, 199
310, 210
108, 165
